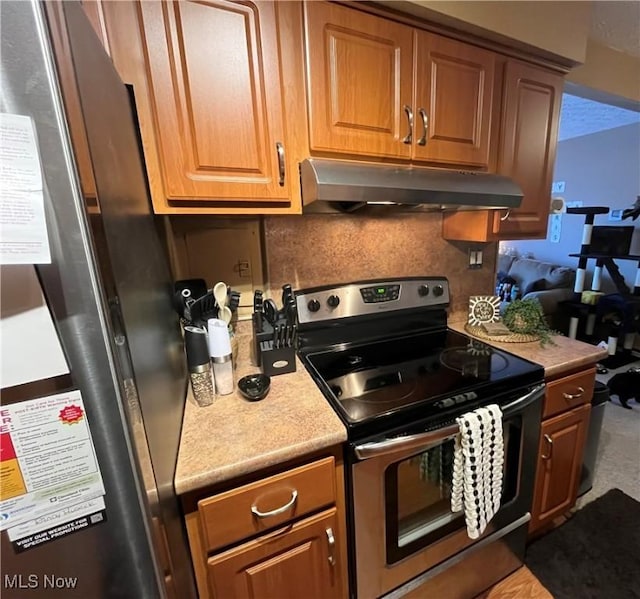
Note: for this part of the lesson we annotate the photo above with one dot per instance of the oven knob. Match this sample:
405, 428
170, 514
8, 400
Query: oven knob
423, 290
313, 305
333, 301
438, 290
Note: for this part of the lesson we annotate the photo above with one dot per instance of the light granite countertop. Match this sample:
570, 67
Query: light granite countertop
234, 436
565, 356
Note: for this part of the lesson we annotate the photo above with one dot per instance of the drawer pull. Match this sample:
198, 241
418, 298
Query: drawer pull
331, 541
570, 396
256, 512
549, 441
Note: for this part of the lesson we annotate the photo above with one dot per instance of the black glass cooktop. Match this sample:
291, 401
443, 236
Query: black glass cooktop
441, 368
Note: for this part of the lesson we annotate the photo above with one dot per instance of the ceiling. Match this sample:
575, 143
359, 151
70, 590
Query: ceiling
615, 24
581, 116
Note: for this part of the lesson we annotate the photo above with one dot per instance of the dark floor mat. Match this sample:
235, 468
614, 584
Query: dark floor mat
619, 360
595, 555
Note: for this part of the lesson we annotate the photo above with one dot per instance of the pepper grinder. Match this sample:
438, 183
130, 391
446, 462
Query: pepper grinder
220, 352
195, 340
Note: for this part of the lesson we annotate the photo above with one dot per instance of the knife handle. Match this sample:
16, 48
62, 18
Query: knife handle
291, 310
270, 311
257, 300
276, 336
287, 292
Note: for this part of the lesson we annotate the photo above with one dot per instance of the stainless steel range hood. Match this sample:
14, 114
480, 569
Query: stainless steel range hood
348, 186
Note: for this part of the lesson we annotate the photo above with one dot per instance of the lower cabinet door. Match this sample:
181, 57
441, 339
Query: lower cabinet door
562, 440
299, 560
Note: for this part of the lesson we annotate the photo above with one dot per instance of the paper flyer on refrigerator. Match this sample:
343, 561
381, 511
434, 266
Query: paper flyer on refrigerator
47, 458
23, 229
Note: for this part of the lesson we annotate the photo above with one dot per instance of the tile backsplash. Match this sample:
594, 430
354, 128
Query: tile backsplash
323, 249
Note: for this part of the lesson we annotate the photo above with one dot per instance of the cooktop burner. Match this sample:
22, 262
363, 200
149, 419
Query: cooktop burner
382, 354
368, 380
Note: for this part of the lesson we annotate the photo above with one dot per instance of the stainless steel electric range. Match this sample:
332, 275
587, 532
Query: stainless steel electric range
383, 356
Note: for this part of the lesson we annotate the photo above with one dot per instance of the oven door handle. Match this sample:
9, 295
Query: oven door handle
379, 448
523, 402
367, 451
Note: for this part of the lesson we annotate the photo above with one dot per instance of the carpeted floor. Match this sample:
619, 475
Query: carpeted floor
595, 554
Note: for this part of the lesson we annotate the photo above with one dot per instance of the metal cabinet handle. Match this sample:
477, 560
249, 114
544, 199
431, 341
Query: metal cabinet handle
425, 121
256, 512
549, 441
506, 216
570, 396
280, 151
331, 541
409, 137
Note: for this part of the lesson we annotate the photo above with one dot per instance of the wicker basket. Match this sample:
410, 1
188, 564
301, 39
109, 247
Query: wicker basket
511, 338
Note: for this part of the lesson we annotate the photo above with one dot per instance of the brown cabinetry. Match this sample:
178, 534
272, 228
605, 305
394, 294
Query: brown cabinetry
216, 82
94, 9
454, 101
528, 133
71, 98
382, 89
279, 536
210, 81
297, 562
561, 448
231, 95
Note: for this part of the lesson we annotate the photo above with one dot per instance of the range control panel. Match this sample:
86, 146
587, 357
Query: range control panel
370, 297
380, 293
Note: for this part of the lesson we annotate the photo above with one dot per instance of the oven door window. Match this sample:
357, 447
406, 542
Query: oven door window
418, 494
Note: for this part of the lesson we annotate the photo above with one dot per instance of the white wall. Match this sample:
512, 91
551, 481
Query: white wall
601, 169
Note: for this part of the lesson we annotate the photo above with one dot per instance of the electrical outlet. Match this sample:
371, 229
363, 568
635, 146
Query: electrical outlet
616, 214
558, 186
475, 258
555, 228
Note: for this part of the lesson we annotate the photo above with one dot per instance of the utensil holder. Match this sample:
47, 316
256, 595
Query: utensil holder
275, 361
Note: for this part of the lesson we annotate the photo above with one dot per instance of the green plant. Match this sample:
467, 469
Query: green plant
526, 316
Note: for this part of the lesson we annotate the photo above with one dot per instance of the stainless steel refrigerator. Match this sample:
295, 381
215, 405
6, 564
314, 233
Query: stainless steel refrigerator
109, 292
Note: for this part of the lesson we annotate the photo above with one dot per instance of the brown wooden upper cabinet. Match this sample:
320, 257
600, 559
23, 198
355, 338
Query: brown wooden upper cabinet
531, 115
527, 151
382, 89
215, 86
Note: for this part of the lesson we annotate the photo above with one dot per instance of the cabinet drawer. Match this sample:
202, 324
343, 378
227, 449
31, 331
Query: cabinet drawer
232, 516
569, 392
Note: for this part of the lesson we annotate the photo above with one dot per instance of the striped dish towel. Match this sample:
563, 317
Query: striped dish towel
477, 467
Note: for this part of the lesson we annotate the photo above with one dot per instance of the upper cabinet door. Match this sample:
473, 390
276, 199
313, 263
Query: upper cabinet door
531, 112
359, 70
215, 83
453, 103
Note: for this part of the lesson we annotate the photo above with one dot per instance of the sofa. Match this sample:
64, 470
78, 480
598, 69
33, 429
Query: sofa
548, 283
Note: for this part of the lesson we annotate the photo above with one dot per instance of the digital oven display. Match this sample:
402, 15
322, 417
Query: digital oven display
381, 293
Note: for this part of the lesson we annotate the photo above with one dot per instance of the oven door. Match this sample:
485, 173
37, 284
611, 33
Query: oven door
402, 518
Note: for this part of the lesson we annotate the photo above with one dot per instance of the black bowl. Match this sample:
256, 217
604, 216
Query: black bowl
254, 386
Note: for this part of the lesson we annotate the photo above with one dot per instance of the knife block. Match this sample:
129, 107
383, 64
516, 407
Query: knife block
281, 360
264, 334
